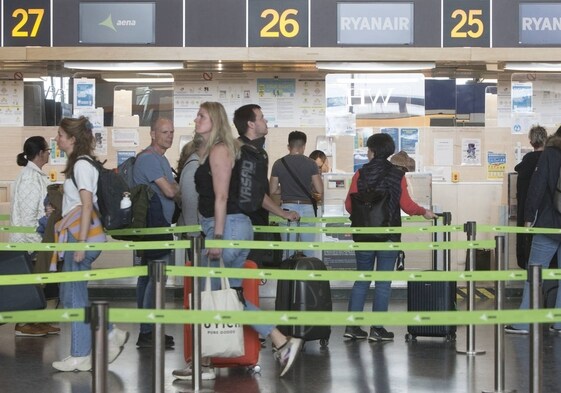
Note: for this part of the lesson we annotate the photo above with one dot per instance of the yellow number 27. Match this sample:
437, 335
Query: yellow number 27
19, 30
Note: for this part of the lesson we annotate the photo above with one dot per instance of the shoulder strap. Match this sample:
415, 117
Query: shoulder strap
310, 197
85, 159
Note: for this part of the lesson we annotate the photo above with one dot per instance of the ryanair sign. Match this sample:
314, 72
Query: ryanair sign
540, 24
375, 23
117, 23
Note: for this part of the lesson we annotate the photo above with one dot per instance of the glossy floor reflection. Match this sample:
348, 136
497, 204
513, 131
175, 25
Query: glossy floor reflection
428, 365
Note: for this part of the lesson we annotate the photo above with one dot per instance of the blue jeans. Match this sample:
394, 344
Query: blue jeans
75, 295
385, 261
237, 227
145, 288
543, 249
304, 211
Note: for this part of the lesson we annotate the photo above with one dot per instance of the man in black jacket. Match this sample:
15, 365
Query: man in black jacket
540, 212
252, 128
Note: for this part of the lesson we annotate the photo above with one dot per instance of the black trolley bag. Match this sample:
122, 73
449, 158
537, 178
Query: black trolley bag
304, 296
433, 296
19, 297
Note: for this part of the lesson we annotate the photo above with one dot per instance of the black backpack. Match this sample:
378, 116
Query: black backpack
371, 209
253, 178
110, 190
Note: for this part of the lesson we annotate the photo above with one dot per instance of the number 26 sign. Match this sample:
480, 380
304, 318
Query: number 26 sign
277, 23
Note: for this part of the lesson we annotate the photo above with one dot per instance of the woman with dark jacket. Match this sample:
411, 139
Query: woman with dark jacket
540, 212
525, 169
380, 174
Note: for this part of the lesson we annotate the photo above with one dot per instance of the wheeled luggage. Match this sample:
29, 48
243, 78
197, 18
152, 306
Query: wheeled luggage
304, 296
251, 338
432, 296
19, 297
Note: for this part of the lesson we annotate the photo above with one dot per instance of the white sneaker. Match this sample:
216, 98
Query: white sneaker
288, 353
207, 373
74, 363
116, 341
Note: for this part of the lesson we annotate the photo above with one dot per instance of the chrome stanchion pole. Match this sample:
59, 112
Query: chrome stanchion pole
499, 328
158, 276
196, 247
469, 228
536, 339
98, 314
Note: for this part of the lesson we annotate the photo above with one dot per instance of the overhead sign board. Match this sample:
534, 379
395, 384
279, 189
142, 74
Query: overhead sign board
375, 23
540, 23
278, 23
27, 23
466, 23
117, 23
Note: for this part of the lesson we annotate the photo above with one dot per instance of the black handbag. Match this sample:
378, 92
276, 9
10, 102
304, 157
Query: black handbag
19, 297
266, 258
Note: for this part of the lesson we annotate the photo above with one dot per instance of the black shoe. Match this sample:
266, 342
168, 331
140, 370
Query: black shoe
380, 334
145, 341
512, 330
355, 333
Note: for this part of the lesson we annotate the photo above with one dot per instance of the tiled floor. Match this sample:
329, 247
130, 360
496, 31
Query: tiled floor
428, 365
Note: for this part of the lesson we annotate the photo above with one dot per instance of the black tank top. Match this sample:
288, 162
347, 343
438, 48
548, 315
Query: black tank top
203, 182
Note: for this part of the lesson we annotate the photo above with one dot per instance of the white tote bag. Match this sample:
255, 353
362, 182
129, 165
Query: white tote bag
221, 339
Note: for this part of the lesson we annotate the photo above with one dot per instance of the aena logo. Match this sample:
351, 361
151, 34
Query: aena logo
108, 22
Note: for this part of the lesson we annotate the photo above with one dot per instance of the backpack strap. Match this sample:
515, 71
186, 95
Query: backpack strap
88, 159
310, 197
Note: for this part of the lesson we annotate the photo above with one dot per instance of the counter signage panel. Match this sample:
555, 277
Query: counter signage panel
27, 23
277, 23
117, 23
466, 23
539, 24
375, 23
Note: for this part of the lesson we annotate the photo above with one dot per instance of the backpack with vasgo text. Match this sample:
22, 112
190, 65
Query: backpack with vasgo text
253, 178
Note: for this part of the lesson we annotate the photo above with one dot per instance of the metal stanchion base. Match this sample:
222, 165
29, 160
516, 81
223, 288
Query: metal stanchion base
499, 391
184, 386
470, 353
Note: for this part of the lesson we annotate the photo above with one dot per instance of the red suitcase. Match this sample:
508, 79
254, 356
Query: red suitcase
251, 338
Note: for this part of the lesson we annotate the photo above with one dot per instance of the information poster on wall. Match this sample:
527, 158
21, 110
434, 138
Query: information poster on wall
394, 133
496, 165
408, 139
311, 102
187, 97
277, 99
471, 151
58, 157
522, 97
84, 93
11, 103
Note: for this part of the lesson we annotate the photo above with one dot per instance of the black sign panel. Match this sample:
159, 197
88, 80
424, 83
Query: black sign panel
27, 23
117, 23
466, 23
277, 23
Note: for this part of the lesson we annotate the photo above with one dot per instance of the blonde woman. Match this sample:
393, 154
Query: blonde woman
221, 218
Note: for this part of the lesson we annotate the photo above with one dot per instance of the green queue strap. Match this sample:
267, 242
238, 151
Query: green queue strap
277, 274
315, 318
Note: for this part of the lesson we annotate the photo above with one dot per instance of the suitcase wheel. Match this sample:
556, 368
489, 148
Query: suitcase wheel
323, 343
254, 369
410, 337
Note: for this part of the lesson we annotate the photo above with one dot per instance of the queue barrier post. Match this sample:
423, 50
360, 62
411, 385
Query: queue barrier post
499, 328
197, 245
157, 273
536, 334
98, 316
470, 229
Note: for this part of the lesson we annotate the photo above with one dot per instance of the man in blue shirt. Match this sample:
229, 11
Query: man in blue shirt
153, 168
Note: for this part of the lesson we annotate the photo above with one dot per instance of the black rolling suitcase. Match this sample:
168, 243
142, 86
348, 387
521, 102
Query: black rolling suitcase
304, 296
432, 296
19, 297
